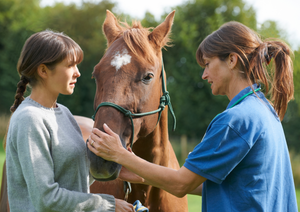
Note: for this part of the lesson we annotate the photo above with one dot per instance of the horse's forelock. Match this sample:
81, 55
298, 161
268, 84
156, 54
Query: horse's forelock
136, 38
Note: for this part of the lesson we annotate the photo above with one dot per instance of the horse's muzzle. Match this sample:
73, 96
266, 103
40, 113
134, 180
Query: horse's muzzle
101, 169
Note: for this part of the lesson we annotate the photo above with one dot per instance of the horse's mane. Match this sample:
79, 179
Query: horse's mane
137, 39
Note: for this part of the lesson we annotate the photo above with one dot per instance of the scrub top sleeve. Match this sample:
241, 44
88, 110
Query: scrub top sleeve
221, 149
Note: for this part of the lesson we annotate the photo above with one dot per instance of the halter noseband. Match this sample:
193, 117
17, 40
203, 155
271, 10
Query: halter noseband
164, 100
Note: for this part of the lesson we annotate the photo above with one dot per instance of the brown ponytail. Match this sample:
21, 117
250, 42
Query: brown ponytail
254, 56
282, 85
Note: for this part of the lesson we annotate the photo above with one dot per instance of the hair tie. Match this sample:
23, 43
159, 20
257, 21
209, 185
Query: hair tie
268, 57
24, 79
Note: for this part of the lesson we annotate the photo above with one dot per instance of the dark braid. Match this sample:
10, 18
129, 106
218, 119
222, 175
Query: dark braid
19, 97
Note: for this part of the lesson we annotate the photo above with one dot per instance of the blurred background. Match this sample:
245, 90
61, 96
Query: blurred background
193, 103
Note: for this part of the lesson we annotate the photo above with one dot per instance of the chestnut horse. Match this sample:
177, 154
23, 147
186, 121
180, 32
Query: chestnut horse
130, 98
130, 77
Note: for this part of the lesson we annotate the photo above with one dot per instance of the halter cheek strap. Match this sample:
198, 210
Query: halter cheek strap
164, 100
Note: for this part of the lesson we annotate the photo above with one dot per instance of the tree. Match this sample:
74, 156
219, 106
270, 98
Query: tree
21, 18
191, 97
297, 75
15, 26
292, 118
192, 100
84, 25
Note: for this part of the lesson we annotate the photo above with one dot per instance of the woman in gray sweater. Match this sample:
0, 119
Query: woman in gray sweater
47, 164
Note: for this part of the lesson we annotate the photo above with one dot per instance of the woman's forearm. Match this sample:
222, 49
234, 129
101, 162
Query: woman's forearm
197, 191
151, 173
176, 182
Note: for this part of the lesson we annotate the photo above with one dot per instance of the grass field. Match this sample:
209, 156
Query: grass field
298, 198
194, 203
2, 158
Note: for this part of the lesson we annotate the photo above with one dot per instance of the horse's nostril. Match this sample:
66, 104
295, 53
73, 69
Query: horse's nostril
103, 170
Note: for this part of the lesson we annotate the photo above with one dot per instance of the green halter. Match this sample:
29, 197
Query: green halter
164, 100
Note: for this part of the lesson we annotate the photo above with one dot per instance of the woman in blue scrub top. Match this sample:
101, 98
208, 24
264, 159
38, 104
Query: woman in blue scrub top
242, 162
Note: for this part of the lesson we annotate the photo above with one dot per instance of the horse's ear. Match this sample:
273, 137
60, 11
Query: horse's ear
160, 35
111, 28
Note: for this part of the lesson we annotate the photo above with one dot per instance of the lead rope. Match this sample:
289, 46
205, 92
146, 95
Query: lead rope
138, 207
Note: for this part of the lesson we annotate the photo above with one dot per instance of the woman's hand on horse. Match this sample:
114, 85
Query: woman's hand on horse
127, 175
105, 144
123, 206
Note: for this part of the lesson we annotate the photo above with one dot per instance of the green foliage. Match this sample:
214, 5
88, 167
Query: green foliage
295, 161
269, 29
15, 27
297, 75
149, 20
84, 25
290, 125
193, 102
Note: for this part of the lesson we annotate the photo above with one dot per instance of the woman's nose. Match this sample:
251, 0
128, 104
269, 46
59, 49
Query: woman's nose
204, 75
77, 73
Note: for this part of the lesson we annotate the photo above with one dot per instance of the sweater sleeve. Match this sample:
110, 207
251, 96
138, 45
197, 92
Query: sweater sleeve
33, 153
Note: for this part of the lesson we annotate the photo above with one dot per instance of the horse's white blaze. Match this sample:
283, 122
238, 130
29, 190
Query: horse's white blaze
120, 59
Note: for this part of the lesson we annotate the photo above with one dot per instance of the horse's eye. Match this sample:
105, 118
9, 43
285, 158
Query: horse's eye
148, 78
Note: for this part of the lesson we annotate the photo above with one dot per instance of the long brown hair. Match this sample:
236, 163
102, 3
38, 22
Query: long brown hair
254, 55
46, 47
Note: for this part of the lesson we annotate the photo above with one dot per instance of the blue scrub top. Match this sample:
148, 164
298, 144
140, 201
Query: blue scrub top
245, 158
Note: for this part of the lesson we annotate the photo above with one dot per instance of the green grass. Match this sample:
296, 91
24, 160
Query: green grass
2, 158
194, 203
298, 198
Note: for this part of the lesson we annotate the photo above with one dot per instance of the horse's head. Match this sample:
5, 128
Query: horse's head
129, 75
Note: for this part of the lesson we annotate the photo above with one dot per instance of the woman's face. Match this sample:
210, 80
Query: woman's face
218, 74
63, 78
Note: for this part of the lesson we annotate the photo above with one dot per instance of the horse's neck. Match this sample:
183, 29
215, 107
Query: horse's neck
155, 147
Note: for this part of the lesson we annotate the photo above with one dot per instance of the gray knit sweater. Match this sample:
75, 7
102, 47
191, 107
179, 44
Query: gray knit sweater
47, 165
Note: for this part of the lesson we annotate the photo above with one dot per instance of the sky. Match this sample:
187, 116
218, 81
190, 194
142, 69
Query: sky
285, 12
